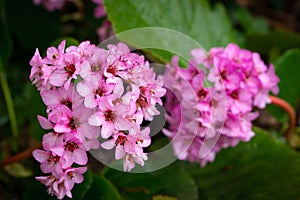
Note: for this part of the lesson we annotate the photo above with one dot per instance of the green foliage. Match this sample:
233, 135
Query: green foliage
286, 67
69, 41
172, 181
263, 168
249, 23
278, 39
206, 26
102, 188
288, 70
80, 190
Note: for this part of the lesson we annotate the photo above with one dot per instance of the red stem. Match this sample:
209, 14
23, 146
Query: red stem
290, 111
19, 157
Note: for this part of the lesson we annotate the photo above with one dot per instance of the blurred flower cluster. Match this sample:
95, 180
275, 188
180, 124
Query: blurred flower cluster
212, 107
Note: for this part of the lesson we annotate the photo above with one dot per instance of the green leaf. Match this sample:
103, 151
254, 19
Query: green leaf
102, 188
69, 41
289, 89
176, 26
171, 181
18, 170
278, 39
250, 24
80, 190
263, 168
35, 190
162, 197
287, 67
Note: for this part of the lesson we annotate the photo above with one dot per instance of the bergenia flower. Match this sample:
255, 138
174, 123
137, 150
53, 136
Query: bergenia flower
51, 5
110, 118
69, 69
239, 81
73, 151
92, 92
98, 90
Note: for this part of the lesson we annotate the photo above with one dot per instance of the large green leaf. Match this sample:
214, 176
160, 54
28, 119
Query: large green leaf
172, 181
198, 24
279, 40
250, 23
263, 168
102, 189
80, 190
288, 70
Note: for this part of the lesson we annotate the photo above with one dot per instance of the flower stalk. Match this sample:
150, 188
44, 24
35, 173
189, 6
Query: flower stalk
18, 157
290, 111
10, 107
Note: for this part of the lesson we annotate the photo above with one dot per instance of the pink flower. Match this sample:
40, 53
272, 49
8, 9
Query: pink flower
72, 176
74, 124
49, 161
61, 96
67, 71
40, 72
54, 188
36, 74
129, 147
110, 118
239, 101
98, 90
73, 151
105, 30
94, 63
55, 56
99, 10
144, 98
124, 144
64, 183
50, 5
131, 159
224, 74
52, 139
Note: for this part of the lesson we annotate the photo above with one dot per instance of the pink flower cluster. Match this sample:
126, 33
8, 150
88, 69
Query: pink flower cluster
51, 5
99, 10
211, 108
105, 30
90, 91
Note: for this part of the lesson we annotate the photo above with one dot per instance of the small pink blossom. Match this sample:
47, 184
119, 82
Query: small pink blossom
72, 176
67, 71
73, 151
110, 118
51, 5
129, 147
49, 161
98, 90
